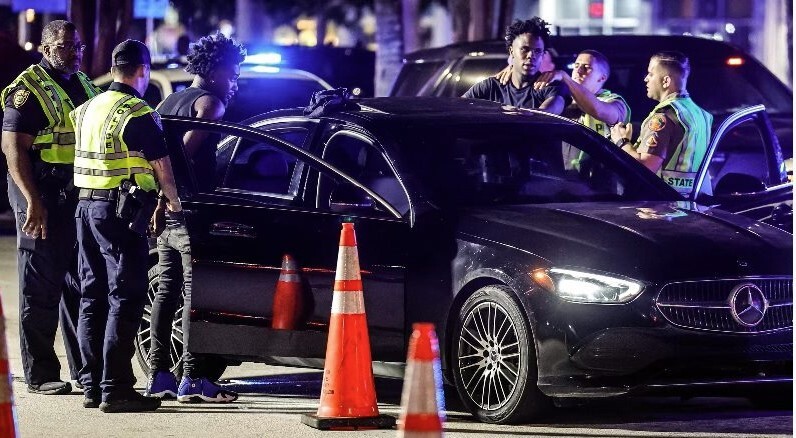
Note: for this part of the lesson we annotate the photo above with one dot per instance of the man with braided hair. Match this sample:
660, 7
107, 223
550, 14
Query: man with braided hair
215, 62
526, 42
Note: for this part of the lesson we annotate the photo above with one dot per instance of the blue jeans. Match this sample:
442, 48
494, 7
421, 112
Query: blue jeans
112, 264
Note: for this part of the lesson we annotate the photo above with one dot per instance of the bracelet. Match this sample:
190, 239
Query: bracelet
622, 142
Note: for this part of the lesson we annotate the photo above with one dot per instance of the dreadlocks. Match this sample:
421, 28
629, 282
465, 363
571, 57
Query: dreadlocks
212, 51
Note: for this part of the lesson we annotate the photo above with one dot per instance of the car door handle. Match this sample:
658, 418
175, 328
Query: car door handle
232, 229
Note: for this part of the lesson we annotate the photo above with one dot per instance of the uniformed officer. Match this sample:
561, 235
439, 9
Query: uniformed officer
38, 141
674, 137
119, 141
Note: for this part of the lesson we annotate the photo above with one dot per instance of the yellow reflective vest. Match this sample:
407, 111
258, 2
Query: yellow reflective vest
57, 140
102, 158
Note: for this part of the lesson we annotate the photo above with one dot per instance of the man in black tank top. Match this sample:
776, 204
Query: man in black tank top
215, 62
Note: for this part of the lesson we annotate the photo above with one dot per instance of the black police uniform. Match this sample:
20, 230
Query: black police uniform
47, 267
113, 267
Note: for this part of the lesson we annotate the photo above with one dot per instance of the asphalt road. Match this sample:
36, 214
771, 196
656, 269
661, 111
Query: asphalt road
273, 397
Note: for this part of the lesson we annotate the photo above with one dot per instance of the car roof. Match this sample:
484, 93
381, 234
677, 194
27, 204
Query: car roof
433, 109
176, 73
619, 46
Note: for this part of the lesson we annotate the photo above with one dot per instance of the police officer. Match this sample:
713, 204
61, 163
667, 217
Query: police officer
674, 137
215, 61
119, 141
38, 141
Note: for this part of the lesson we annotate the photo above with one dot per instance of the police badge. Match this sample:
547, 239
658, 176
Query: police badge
20, 97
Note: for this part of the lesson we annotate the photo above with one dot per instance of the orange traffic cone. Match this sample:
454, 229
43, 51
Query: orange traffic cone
288, 298
8, 416
348, 395
422, 399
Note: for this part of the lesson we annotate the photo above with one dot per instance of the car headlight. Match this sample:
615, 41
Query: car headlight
587, 287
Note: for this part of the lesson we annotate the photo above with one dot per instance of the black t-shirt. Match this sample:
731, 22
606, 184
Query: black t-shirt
143, 133
203, 162
525, 97
29, 117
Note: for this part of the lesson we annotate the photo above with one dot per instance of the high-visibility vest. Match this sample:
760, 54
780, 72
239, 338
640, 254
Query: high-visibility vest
598, 125
102, 158
56, 142
681, 167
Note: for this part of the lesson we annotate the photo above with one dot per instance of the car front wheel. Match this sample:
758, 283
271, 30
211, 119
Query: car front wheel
494, 360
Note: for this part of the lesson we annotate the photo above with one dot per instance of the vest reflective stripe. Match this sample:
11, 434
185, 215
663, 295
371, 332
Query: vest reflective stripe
598, 125
56, 142
102, 159
680, 169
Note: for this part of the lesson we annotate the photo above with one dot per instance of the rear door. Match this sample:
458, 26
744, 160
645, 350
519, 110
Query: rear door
744, 172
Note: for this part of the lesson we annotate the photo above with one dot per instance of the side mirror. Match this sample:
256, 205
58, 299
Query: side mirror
345, 197
738, 183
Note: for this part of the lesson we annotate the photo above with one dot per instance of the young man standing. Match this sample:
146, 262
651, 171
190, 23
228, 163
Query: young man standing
215, 62
526, 41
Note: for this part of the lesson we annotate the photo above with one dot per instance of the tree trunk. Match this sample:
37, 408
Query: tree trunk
102, 24
460, 17
389, 39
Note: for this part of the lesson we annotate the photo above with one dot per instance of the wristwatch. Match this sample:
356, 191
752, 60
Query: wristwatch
622, 142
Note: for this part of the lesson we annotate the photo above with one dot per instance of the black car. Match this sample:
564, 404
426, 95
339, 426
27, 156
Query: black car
723, 80
544, 281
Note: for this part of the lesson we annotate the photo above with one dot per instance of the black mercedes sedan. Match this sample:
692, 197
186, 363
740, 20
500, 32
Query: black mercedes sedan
553, 264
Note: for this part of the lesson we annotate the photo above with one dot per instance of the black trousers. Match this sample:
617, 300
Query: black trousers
48, 287
112, 263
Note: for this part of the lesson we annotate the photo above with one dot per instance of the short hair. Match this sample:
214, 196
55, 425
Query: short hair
600, 60
125, 70
674, 61
54, 28
535, 26
212, 51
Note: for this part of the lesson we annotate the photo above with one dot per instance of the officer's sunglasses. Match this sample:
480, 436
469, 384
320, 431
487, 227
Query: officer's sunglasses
70, 47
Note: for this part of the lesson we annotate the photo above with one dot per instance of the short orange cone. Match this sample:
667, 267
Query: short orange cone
8, 416
422, 399
348, 394
288, 298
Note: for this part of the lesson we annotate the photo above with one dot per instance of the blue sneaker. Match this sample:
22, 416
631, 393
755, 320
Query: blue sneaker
203, 390
161, 384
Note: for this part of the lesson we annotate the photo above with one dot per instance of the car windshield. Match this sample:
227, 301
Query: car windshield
519, 163
259, 95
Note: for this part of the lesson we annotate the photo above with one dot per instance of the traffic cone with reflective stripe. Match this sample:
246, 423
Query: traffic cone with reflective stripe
348, 394
8, 416
288, 298
422, 399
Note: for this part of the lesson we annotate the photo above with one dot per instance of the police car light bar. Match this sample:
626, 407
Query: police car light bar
265, 58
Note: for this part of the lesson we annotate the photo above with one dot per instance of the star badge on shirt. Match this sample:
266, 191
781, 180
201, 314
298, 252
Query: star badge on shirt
20, 97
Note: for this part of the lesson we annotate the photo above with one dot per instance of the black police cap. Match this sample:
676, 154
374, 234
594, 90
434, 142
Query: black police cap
130, 52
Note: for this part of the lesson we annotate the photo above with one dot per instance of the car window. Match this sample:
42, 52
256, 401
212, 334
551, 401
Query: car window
472, 71
740, 162
414, 76
518, 163
259, 166
356, 156
259, 95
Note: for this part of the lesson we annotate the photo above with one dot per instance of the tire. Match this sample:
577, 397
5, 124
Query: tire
144, 336
494, 359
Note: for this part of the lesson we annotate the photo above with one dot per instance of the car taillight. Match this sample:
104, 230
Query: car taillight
735, 61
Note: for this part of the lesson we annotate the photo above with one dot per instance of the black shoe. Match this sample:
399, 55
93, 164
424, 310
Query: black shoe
51, 388
134, 403
79, 385
90, 402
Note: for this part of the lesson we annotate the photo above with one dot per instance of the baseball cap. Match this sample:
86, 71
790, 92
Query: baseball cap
130, 52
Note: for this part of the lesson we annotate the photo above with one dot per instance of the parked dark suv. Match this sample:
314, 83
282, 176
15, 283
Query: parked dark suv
752, 165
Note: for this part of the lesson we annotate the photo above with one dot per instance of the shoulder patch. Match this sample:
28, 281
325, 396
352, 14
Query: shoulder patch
657, 122
20, 97
156, 117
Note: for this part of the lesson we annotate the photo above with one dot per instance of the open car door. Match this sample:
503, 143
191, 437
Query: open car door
744, 172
